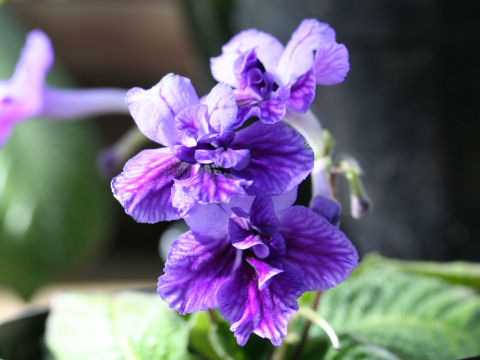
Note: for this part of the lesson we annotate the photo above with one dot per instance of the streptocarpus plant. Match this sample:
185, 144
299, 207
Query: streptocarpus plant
249, 252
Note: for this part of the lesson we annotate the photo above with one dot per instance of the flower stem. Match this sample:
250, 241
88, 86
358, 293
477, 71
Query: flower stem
306, 329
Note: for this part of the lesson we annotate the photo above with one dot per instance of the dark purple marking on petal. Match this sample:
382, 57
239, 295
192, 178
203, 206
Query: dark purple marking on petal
303, 92
144, 186
331, 64
272, 111
265, 312
263, 217
264, 271
298, 56
196, 269
154, 110
317, 251
279, 159
207, 185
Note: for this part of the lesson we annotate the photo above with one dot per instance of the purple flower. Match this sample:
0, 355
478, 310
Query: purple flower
21, 97
269, 79
26, 95
255, 268
204, 160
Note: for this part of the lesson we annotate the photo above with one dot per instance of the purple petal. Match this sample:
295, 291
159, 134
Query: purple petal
327, 208
243, 239
154, 110
265, 312
264, 271
196, 269
190, 124
298, 56
316, 250
226, 159
302, 93
331, 64
272, 111
222, 108
144, 186
32, 67
269, 50
262, 215
209, 220
207, 186
279, 159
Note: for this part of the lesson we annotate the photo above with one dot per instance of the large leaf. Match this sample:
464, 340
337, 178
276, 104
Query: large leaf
123, 326
383, 313
456, 272
53, 207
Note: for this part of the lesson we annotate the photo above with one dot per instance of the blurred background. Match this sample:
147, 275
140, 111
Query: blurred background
408, 112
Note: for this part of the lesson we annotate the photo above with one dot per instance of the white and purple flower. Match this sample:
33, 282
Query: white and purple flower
204, 160
255, 268
270, 79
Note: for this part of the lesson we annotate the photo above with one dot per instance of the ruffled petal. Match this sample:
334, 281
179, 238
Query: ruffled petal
222, 108
262, 215
144, 186
196, 269
316, 250
226, 159
302, 93
272, 111
264, 271
279, 159
268, 47
298, 56
154, 110
265, 312
331, 64
206, 185
190, 124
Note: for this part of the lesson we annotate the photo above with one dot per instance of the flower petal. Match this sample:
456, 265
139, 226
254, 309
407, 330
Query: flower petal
327, 208
316, 250
303, 92
265, 312
268, 47
222, 108
190, 124
298, 56
264, 271
154, 110
225, 159
32, 67
144, 186
196, 269
262, 215
331, 64
279, 159
207, 186
272, 111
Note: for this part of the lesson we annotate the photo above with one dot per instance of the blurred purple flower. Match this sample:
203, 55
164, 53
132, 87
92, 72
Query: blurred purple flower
255, 269
269, 79
205, 161
26, 94
22, 96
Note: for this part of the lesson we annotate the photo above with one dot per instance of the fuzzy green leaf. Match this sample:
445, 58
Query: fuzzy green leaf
126, 325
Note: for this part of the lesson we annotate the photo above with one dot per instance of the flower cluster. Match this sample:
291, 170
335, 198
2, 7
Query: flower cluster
249, 251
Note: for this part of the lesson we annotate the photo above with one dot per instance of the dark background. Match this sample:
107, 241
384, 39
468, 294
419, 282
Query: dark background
408, 110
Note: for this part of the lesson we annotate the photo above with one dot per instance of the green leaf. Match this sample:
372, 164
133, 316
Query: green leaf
53, 207
125, 325
383, 313
456, 272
